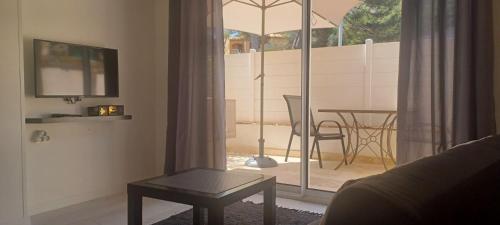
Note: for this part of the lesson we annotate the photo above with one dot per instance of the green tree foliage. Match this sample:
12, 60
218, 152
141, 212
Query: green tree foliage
379, 20
282, 41
324, 37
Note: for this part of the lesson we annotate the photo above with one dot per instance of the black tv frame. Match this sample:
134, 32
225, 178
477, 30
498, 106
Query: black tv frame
35, 72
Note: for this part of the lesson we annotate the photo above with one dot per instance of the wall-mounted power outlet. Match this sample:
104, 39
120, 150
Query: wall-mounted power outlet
40, 136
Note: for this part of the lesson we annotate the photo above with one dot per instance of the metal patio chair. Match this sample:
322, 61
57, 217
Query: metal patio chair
294, 109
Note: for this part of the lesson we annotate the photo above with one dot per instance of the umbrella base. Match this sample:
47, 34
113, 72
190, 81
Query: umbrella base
261, 162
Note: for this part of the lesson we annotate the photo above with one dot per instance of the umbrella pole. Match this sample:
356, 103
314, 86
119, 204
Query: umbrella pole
261, 161
262, 55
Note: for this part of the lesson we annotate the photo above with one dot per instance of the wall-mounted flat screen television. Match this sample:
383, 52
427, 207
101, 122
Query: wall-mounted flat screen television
71, 70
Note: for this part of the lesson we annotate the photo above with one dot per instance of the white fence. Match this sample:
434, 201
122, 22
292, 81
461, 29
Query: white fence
349, 77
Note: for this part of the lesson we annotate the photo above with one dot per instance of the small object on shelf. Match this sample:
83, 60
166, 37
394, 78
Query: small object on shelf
103, 111
99, 110
106, 110
116, 110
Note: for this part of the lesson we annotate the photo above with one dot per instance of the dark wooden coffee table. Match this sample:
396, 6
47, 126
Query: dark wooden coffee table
203, 188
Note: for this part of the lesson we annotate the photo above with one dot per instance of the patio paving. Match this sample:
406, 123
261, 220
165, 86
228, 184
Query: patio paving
326, 179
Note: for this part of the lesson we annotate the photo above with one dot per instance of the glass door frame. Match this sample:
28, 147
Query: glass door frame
305, 92
303, 192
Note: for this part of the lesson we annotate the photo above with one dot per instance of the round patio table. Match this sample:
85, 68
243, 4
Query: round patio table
367, 135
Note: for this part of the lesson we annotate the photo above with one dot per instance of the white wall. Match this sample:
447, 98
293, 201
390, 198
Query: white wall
84, 161
161, 71
11, 186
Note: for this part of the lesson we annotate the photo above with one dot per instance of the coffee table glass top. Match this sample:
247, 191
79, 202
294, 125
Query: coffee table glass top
206, 181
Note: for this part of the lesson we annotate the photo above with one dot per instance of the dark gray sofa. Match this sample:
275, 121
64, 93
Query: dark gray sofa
460, 186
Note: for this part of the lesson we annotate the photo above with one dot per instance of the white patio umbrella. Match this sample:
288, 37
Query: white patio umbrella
264, 17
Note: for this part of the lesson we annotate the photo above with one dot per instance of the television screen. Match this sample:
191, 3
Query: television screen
65, 70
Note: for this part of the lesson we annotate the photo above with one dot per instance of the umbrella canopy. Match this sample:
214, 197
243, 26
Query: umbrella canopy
282, 15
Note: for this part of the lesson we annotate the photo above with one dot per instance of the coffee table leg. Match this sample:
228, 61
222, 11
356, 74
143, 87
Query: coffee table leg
198, 215
216, 215
134, 209
270, 205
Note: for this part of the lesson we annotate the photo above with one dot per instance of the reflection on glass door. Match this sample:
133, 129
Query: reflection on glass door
262, 65
243, 106
353, 92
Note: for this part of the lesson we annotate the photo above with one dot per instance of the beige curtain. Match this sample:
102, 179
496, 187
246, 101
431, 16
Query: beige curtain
196, 115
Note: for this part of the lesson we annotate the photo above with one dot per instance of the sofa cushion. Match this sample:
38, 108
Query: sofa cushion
460, 186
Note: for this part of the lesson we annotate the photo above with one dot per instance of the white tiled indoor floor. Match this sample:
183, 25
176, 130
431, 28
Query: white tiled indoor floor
113, 211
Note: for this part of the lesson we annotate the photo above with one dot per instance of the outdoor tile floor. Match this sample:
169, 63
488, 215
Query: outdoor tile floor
323, 179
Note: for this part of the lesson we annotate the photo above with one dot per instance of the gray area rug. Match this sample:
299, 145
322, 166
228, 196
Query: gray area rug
248, 213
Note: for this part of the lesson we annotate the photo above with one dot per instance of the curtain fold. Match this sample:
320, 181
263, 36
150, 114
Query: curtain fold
196, 102
445, 86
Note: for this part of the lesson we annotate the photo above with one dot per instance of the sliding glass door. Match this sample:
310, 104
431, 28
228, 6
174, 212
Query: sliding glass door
353, 95
310, 99
262, 68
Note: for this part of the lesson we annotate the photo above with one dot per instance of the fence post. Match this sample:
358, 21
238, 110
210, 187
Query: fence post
368, 79
252, 84
341, 34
